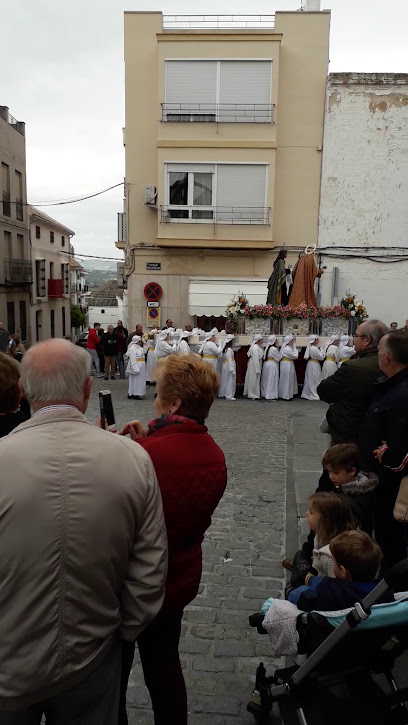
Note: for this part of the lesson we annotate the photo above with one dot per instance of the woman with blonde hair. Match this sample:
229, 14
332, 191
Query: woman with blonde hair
192, 476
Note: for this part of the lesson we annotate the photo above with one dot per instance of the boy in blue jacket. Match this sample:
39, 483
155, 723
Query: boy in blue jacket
356, 562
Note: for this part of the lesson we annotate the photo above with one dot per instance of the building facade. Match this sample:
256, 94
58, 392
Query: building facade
50, 309
15, 261
223, 141
364, 211
79, 287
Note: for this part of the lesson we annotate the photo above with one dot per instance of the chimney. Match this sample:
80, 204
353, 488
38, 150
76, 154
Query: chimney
312, 5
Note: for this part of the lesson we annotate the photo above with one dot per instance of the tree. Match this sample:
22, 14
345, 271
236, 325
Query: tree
77, 317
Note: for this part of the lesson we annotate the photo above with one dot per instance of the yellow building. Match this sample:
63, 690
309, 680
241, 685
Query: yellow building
223, 139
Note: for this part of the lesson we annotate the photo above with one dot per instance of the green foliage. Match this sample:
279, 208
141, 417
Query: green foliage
77, 317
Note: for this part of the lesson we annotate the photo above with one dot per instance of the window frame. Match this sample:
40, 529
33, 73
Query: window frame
52, 237
190, 207
37, 231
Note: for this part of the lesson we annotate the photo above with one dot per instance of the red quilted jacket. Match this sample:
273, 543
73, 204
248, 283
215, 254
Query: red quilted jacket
192, 476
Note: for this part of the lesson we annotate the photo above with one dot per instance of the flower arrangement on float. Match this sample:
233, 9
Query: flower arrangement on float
354, 306
303, 312
235, 312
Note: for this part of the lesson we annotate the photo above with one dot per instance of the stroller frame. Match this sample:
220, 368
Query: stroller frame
287, 687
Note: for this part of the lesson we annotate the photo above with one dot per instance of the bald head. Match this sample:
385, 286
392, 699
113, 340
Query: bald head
56, 372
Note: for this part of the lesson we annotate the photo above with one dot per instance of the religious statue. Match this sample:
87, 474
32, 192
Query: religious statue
277, 294
304, 275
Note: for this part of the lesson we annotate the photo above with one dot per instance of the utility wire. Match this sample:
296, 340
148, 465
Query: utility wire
67, 201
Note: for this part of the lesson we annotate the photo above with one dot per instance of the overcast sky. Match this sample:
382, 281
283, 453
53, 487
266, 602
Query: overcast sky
62, 73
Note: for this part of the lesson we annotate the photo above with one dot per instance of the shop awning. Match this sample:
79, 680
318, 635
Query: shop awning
211, 295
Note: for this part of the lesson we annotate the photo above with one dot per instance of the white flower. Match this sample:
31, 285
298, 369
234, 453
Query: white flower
353, 313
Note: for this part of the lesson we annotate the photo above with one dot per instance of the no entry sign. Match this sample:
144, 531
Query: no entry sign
153, 316
153, 292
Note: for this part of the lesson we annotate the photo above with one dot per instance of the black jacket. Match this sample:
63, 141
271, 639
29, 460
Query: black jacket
9, 421
109, 343
387, 420
334, 594
350, 389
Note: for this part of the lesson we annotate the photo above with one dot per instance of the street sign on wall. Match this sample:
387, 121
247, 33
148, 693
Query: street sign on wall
153, 266
153, 292
153, 316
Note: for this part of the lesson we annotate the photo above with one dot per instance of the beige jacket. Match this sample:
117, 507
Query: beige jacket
83, 551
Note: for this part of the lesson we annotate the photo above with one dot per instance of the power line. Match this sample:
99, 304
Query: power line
74, 200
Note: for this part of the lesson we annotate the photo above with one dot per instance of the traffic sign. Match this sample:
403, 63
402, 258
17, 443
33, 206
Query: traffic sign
153, 316
153, 292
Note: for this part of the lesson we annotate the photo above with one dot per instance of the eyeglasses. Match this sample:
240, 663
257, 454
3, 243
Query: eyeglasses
359, 335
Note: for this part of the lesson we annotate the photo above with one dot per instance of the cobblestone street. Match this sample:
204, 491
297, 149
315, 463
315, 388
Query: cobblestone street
272, 451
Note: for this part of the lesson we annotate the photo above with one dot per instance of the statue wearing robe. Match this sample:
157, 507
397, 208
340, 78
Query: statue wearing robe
304, 276
277, 294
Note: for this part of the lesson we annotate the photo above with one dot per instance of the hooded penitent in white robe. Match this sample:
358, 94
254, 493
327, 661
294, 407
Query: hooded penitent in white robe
163, 348
270, 370
346, 351
228, 373
313, 373
150, 362
210, 350
136, 367
252, 386
288, 386
332, 358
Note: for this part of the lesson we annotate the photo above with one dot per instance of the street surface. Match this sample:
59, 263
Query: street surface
272, 451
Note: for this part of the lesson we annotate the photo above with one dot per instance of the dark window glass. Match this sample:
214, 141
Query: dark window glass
178, 187
52, 321
23, 320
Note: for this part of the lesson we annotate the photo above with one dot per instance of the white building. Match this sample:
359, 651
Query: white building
79, 287
50, 309
363, 224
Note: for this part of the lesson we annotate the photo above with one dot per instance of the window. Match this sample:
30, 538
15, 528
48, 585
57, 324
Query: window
52, 323
51, 270
219, 193
11, 320
8, 246
40, 277
62, 241
52, 237
38, 325
23, 320
64, 324
38, 232
234, 91
5, 186
19, 196
20, 246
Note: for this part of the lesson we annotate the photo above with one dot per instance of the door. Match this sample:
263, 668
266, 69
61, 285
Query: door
23, 320
11, 319
38, 325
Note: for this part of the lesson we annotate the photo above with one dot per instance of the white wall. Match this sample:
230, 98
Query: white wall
110, 316
364, 195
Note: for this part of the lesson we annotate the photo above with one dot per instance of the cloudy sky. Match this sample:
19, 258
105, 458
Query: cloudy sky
63, 75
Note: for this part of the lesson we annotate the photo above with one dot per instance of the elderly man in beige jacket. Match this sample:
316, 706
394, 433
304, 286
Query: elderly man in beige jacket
83, 555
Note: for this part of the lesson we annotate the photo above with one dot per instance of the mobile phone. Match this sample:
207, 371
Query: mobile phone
106, 408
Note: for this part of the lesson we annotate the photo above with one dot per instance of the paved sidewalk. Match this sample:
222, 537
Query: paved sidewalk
269, 446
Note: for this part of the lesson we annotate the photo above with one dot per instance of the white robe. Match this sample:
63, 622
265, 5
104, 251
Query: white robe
345, 353
252, 387
313, 374
136, 369
150, 365
228, 376
211, 353
270, 374
330, 366
183, 348
288, 386
163, 349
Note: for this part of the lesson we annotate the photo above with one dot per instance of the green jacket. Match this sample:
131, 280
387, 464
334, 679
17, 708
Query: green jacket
349, 391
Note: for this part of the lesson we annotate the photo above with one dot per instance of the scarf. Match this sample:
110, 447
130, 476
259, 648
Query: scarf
169, 419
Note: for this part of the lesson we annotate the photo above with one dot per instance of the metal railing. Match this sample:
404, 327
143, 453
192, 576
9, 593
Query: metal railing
176, 22
215, 214
6, 204
19, 209
218, 112
18, 272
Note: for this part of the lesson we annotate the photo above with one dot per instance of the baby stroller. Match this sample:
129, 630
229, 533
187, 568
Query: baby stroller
345, 652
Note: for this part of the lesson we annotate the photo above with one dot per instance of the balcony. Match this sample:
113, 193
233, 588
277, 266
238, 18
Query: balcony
55, 289
17, 272
6, 204
216, 214
218, 22
218, 113
19, 209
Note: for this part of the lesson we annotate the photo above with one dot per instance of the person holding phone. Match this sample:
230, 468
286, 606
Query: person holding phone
192, 477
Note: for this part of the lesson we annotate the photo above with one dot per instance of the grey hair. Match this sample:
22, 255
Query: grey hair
55, 371
376, 330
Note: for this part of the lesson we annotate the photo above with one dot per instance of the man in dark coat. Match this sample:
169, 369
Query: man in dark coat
351, 388
384, 442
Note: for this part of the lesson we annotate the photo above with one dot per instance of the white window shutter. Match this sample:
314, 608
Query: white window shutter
245, 91
191, 86
241, 194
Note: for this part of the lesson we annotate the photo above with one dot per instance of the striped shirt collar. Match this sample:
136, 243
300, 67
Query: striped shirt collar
48, 408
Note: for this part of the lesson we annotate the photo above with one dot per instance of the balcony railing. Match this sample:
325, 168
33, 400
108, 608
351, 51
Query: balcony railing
218, 113
191, 22
6, 204
19, 209
17, 272
216, 214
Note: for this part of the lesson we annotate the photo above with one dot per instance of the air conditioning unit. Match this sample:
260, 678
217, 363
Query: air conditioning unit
150, 196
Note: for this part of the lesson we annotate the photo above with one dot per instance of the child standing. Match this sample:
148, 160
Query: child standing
252, 386
136, 368
341, 463
270, 370
313, 373
332, 357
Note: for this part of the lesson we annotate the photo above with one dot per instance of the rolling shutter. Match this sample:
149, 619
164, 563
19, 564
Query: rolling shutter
190, 88
241, 193
245, 86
